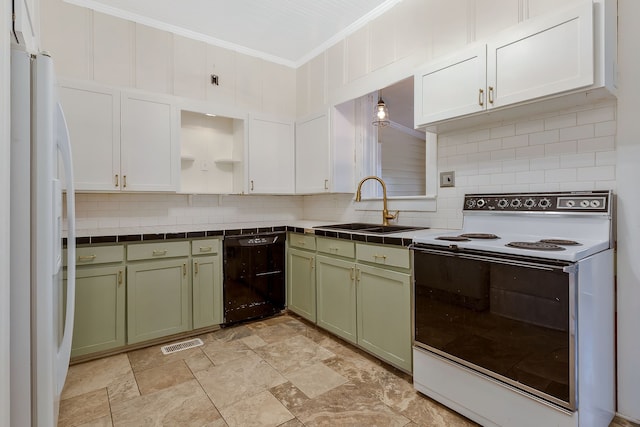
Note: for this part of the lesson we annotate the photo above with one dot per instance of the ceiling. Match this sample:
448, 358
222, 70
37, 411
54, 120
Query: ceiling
288, 32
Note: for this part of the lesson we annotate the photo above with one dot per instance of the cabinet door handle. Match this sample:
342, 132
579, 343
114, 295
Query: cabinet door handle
158, 252
184, 269
326, 184
124, 181
481, 97
311, 265
251, 185
86, 258
119, 277
358, 274
117, 180
490, 94
206, 248
352, 273
195, 267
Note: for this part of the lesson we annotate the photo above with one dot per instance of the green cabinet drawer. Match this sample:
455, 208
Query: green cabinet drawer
302, 241
157, 250
391, 256
205, 247
92, 255
337, 247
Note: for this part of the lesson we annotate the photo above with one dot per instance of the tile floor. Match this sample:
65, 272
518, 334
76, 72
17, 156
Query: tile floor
277, 372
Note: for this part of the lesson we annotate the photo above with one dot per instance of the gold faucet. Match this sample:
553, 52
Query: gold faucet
386, 216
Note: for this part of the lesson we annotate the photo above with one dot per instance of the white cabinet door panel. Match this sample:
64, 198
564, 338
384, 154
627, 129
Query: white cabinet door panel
549, 56
312, 154
93, 118
452, 87
149, 155
271, 156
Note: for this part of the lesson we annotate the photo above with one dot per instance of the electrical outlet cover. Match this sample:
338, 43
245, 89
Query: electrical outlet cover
447, 179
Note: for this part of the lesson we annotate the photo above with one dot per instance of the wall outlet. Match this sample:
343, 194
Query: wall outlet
447, 179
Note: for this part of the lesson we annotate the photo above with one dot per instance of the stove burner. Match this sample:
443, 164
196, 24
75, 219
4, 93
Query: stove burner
561, 242
479, 236
454, 238
541, 246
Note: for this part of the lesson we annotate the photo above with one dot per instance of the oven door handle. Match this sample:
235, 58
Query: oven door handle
496, 259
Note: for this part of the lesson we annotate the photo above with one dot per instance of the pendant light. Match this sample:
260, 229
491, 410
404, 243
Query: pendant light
380, 114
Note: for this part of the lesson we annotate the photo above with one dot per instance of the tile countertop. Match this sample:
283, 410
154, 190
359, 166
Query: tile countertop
139, 234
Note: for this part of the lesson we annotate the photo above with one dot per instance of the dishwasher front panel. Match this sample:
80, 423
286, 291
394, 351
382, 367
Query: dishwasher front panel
254, 276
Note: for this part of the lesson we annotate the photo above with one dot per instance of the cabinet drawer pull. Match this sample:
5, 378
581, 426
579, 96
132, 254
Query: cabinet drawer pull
251, 185
124, 181
119, 277
333, 248
86, 258
206, 248
195, 267
301, 242
117, 181
184, 269
490, 94
326, 184
159, 252
376, 256
481, 97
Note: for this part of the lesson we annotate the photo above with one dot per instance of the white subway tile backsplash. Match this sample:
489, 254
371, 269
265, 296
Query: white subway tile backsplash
552, 162
596, 115
603, 143
515, 166
503, 178
560, 175
528, 127
507, 154
597, 173
558, 148
470, 147
490, 145
503, 131
530, 152
479, 135
515, 141
577, 132
605, 128
606, 158
560, 121
530, 177
577, 160
544, 137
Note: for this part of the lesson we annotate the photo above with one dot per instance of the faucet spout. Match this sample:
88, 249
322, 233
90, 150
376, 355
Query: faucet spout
386, 216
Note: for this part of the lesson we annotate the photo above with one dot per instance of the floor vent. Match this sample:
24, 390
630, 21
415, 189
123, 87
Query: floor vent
179, 346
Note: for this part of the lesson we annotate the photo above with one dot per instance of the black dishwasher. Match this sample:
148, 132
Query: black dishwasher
254, 276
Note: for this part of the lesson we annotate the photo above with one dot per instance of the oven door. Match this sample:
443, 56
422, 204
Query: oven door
511, 318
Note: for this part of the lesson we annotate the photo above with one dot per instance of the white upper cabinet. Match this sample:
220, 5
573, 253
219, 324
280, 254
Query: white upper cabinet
93, 117
312, 154
121, 141
149, 143
26, 24
535, 60
271, 155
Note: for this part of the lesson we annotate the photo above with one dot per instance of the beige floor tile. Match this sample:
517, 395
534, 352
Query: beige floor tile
346, 405
238, 379
185, 404
221, 352
289, 395
315, 379
100, 422
198, 362
253, 341
161, 377
231, 333
275, 333
260, 410
96, 374
86, 408
294, 353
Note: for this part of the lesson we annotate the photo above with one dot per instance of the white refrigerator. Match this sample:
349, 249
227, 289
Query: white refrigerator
40, 338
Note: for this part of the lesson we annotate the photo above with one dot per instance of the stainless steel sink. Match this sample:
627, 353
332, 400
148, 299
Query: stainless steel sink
370, 228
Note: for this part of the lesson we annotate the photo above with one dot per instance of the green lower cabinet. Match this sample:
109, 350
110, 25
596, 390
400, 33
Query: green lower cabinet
384, 315
99, 310
158, 299
207, 291
336, 293
301, 290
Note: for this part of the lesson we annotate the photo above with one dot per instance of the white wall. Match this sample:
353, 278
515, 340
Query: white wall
628, 159
5, 254
571, 149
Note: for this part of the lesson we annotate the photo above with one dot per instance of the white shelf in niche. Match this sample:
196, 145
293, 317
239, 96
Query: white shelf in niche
187, 157
226, 161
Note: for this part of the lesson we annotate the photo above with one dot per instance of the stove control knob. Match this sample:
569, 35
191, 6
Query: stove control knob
595, 203
584, 204
503, 203
544, 203
480, 203
570, 203
471, 203
529, 203
516, 203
